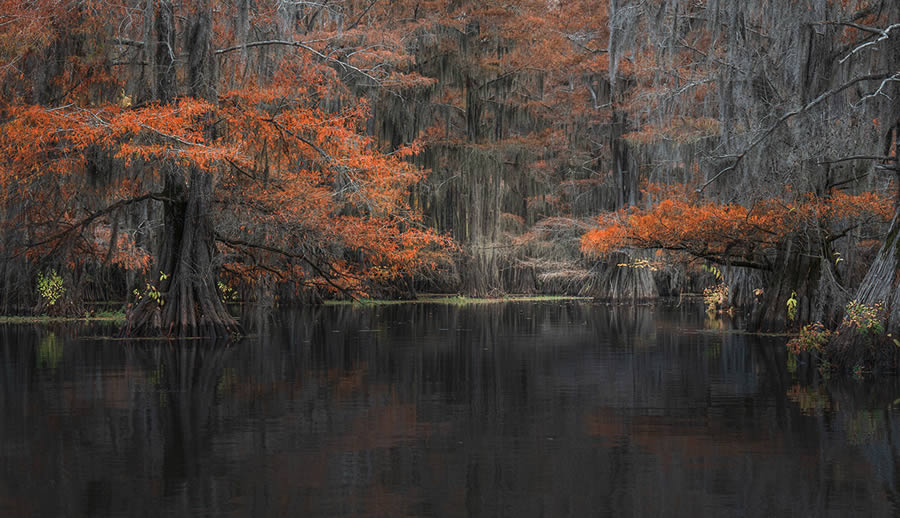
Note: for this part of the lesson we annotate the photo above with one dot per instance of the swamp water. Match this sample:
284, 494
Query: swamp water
511, 409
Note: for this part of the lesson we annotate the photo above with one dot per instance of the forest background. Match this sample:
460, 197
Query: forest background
179, 155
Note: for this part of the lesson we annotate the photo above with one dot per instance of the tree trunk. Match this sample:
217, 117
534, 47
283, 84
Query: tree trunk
880, 286
880, 283
164, 70
185, 301
795, 275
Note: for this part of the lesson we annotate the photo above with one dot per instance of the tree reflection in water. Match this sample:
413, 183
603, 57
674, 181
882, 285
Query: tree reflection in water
483, 410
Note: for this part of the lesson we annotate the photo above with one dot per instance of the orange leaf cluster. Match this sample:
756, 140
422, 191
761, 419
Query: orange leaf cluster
729, 233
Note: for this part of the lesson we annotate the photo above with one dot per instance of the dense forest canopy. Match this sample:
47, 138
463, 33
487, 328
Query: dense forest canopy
178, 153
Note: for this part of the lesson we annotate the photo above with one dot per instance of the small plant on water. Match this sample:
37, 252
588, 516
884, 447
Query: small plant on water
792, 306
715, 297
50, 287
867, 320
812, 338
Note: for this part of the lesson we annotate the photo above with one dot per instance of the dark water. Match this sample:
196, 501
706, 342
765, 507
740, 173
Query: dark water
520, 409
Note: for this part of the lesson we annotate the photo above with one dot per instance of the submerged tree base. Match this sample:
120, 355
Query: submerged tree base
147, 322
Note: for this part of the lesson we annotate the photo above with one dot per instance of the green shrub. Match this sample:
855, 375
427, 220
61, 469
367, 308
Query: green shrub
812, 338
867, 320
716, 297
792, 306
50, 287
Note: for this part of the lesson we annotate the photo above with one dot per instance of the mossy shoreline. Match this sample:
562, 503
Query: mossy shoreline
116, 317
456, 300
119, 316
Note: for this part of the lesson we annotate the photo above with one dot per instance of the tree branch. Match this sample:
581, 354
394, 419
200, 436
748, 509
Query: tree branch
884, 34
305, 46
90, 219
857, 157
880, 90
305, 140
235, 243
366, 10
128, 42
787, 116
844, 182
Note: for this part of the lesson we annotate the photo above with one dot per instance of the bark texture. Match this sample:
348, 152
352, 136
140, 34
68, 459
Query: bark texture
188, 303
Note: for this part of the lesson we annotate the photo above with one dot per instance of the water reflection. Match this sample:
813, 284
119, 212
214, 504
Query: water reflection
520, 409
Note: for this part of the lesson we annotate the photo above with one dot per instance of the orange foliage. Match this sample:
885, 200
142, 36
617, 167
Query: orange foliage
301, 192
729, 233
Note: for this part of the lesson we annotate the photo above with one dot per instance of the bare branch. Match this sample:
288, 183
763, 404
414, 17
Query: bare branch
787, 116
880, 90
857, 157
90, 219
845, 182
365, 11
128, 42
884, 34
305, 46
239, 243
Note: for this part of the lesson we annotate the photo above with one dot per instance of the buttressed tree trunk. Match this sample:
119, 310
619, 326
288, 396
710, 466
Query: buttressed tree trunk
881, 284
186, 301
